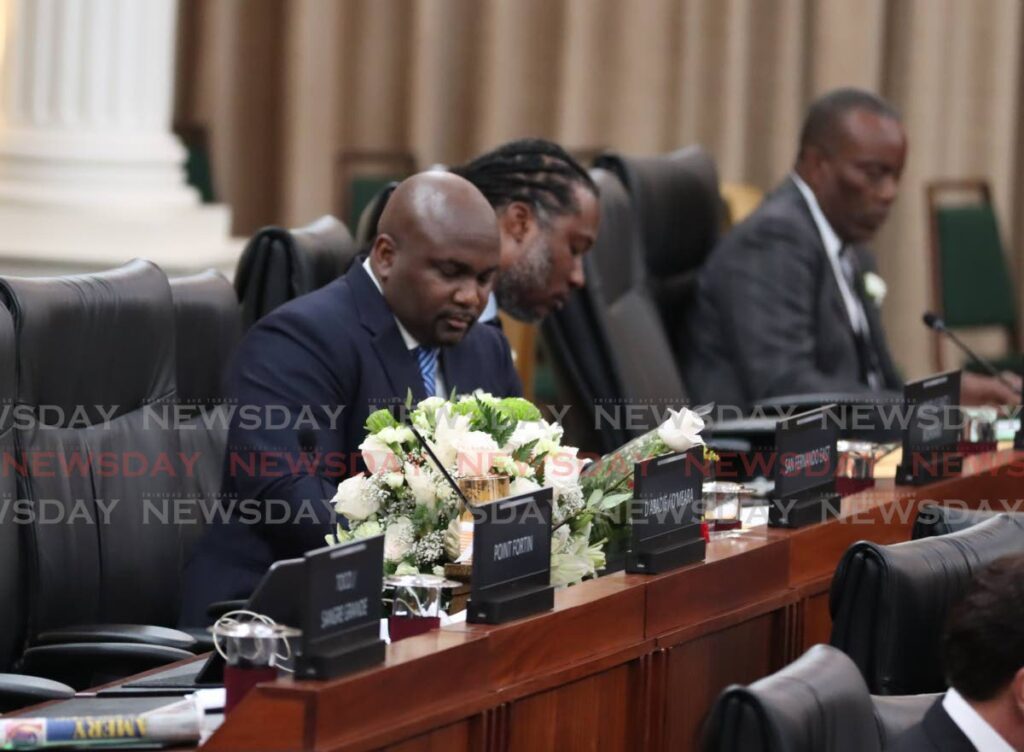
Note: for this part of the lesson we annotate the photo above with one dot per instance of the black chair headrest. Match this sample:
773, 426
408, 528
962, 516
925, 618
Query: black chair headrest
939, 519
8, 387
366, 230
616, 255
818, 702
278, 265
678, 206
326, 247
208, 326
894, 715
889, 603
103, 340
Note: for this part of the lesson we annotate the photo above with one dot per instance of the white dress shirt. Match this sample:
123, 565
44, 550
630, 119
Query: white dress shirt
975, 728
832, 243
410, 341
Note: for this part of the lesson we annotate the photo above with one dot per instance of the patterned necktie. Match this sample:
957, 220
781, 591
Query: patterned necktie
870, 364
427, 359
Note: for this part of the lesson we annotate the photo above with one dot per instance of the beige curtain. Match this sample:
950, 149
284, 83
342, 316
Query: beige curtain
283, 85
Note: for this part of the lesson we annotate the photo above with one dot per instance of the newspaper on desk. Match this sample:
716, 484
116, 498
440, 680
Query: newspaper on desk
184, 721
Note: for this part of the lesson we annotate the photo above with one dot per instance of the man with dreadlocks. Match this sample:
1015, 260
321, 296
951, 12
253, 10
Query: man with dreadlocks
548, 216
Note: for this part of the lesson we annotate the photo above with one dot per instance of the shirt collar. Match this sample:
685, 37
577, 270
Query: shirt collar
410, 341
829, 238
975, 728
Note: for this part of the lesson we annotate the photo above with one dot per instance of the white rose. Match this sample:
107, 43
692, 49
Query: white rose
396, 435
394, 480
378, 455
875, 287
352, 501
682, 430
422, 484
398, 539
522, 486
449, 429
430, 405
562, 468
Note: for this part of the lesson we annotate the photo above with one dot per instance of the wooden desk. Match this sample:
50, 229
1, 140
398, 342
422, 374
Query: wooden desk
626, 662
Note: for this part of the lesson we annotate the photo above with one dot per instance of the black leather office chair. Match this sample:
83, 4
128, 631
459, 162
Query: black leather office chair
938, 519
366, 230
278, 264
818, 703
889, 603
95, 366
208, 327
679, 211
608, 343
16, 690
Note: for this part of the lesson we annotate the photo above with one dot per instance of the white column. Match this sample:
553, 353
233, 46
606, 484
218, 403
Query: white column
90, 172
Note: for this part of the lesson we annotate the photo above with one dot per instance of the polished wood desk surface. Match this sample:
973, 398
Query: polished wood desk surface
622, 662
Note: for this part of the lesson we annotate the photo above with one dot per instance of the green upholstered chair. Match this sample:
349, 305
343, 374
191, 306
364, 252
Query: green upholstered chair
972, 283
361, 174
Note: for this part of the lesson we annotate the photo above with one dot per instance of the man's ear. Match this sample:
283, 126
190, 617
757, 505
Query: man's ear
382, 256
1017, 688
517, 219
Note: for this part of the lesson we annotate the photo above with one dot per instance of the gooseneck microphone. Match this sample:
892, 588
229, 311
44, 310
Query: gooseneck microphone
935, 323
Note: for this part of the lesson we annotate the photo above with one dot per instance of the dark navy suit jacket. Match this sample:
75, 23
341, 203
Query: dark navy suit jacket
936, 732
336, 347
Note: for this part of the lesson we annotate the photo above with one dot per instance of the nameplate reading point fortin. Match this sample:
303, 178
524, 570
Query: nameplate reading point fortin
805, 469
932, 431
665, 512
511, 559
342, 609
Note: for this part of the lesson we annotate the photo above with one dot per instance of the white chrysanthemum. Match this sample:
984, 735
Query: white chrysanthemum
475, 452
399, 539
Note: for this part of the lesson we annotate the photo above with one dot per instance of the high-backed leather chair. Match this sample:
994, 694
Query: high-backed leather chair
208, 326
938, 519
818, 703
619, 283
16, 690
95, 367
679, 212
366, 230
278, 264
889, 603
609, 339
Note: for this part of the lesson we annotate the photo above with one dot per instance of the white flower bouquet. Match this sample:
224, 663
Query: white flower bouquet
406, 497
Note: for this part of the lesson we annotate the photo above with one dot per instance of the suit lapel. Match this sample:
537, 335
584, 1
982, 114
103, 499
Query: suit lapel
873, 314
943, 732
399, 364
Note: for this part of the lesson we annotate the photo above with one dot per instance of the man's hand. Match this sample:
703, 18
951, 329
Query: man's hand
976, 389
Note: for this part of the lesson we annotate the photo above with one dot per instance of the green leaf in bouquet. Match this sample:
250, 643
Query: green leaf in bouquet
522, 454
594, 500
409, 399
378, 420
519, 409
613, 500
493, 421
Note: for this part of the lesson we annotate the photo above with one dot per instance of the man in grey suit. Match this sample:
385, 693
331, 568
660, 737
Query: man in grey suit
788, 302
